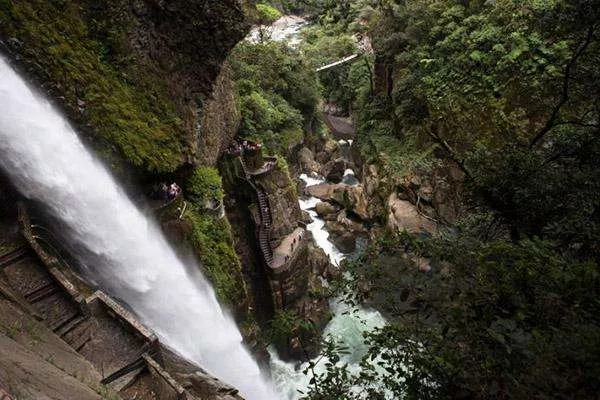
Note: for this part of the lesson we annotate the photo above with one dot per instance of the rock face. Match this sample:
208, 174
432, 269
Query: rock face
172, 31
138, 76
283, 203
404, 216
334, 170
300, 291
284, 281
220, 120
351, 198
438, 192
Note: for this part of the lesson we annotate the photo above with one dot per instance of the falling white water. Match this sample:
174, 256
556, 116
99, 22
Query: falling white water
47, 162
346, 326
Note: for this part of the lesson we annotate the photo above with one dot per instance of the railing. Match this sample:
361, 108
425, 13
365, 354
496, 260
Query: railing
264, 229
335, 64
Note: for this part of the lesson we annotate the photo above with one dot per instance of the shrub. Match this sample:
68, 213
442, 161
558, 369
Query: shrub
267, 14
204, 185
221, 265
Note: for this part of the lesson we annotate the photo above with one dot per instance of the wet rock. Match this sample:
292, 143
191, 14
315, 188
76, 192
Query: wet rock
306, 218
306, 158
324, 209
403, 215
334, 170
351, 198
344, 241
208, 387
330, 151
324, 191
351, 225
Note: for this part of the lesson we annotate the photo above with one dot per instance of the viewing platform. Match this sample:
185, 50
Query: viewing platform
254, 165
285, 253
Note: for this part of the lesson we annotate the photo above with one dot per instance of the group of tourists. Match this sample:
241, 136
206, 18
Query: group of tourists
165, 192
293, 244
240, 147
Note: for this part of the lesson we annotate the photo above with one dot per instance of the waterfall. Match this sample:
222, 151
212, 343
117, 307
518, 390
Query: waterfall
125, 253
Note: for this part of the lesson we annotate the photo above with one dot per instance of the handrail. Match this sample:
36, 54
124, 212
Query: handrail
339, 62
264, 232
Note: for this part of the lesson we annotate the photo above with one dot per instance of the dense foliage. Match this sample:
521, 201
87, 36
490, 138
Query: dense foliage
277, 93
220, 263
506, 91
267, 14
509, 92
204, 186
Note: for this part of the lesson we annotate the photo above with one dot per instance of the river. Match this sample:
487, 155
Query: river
346, 326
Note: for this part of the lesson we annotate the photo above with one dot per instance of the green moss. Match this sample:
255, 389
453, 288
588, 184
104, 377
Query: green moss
213, 240
124, 102
267, 14
204, 185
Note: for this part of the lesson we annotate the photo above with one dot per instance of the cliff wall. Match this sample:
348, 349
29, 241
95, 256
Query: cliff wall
133, 76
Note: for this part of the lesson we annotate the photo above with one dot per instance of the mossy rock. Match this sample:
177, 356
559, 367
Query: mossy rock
212, 241
126, 106
204, 186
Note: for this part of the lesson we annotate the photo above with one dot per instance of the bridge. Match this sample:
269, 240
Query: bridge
339, 62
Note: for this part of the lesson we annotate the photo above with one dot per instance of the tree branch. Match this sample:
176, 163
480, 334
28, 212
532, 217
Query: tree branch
564, 98
451, 153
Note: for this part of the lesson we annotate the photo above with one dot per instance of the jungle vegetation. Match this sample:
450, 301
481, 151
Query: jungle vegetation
507, 92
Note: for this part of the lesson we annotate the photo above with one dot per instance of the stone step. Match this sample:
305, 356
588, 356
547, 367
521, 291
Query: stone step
62, 320
79, 334
70, 325
48, 289
57, 309
13, 256
78, 341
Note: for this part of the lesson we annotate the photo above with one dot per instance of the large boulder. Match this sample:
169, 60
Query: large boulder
325, 209
330, 151
324, 191
403, 215
334, 170
351, 198
306, 158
